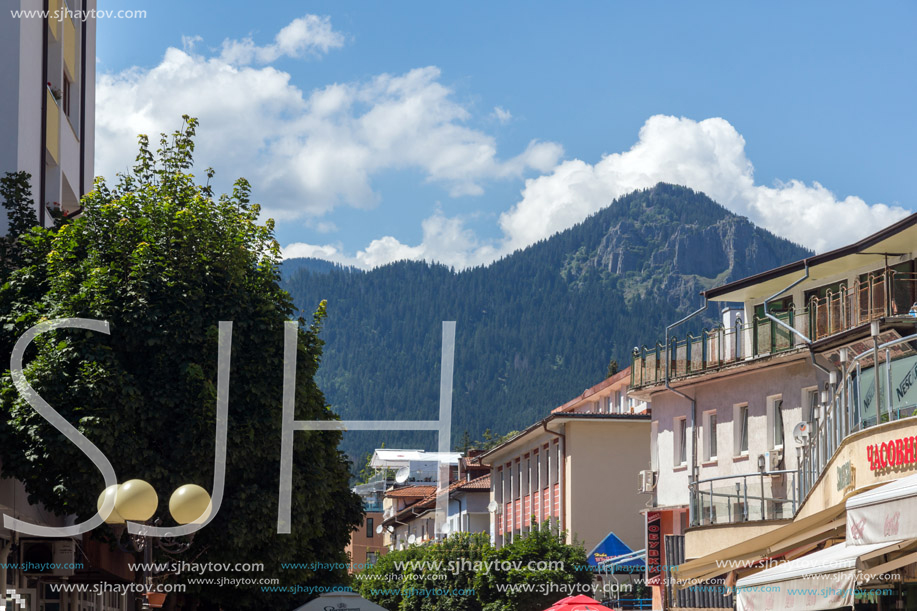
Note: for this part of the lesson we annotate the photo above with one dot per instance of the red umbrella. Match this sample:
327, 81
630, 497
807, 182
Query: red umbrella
577, 603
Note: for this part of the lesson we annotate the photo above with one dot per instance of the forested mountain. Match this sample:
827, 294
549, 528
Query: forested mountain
533, 329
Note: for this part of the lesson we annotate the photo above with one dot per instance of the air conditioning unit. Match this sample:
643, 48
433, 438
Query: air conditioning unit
647, 481
772, 460
44, 557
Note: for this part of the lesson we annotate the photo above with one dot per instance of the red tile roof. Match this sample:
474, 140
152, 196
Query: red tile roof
414, 492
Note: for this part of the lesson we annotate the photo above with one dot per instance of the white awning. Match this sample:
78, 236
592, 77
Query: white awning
886, 513
393, 459
821, 580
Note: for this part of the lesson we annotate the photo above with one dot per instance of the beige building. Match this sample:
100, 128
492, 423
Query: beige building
575, 468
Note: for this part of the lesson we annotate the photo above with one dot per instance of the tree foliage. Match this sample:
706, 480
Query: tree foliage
543, 547
479, 577
164, 261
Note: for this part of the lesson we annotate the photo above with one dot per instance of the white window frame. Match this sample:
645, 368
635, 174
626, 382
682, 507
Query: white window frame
710, 423
775, 416
738, 425
680, 456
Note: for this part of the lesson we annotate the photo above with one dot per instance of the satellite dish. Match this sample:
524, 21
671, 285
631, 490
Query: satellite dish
411, 538
402, 475
492, 506
391, 529
801, 433
446, 529
379, 529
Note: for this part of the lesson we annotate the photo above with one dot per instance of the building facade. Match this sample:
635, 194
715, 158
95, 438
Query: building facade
767, 426
575, 468
47, 102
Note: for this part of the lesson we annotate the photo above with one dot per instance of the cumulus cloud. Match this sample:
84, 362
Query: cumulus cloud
706, 155
305, 152
445, 240
307, 35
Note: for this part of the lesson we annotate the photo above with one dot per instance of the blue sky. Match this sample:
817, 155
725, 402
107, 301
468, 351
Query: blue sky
457, 132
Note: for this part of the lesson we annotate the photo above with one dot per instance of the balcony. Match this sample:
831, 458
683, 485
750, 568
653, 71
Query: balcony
878, 385
880, 295
712, 350
748, 497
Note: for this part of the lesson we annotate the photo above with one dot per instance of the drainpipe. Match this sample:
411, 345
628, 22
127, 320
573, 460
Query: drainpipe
668, 361
561, 469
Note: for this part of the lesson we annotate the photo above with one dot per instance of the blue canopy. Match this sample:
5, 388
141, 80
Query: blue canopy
611, 549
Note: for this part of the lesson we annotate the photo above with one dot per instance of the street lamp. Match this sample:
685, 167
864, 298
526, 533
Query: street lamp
136, 501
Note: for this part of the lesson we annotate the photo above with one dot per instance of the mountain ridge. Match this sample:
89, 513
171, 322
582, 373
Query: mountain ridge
534, 327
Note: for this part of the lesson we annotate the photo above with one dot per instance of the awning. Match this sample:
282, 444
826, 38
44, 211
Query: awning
614, 556
886, 513
825, 579
816, 527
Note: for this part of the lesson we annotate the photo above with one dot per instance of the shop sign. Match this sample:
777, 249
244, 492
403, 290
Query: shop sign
846, 476
653, 543
892, 453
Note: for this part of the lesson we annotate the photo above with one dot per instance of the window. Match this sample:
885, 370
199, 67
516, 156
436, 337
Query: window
371, 557
775, 420
66, 96
740, 429
369, 528
810, 405
681, 442
710, 435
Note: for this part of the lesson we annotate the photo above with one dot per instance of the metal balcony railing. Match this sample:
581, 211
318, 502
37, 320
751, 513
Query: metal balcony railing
865, 397
880, 295
712, 349
748, 497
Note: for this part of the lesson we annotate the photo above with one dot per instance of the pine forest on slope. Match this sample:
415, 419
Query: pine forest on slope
534, 328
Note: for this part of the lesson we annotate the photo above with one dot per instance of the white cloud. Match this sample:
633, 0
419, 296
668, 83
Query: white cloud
502, 115
307, 35
707, 155
445, 240
304, 152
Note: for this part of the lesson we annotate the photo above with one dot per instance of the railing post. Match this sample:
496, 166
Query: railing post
745, 500
888, 390
763, 511
711, 502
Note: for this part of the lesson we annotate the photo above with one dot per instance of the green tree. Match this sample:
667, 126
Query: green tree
612, 367
163, 261
16, 195
541, 548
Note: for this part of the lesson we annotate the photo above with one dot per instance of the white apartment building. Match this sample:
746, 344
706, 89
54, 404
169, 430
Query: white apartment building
47, 101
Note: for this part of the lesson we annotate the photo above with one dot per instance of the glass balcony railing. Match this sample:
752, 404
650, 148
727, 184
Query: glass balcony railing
712, 349
749, 497
878, 386
875, 296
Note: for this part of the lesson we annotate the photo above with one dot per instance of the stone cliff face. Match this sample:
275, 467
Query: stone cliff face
657, 245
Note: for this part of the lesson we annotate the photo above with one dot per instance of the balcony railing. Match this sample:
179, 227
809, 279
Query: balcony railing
880, 295
712, 349
874, 389
748, 497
